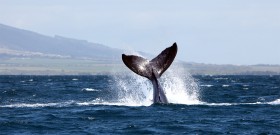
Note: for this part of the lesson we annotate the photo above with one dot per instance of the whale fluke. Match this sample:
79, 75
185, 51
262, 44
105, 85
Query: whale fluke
152, 69
162, 62
145, 68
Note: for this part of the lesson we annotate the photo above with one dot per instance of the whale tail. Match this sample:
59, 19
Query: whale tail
153, 68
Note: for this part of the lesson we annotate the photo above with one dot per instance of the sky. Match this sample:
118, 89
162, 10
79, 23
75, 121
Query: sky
240, 32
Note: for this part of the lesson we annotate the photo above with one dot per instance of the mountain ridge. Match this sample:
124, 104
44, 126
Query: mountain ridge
27, 52
14, 39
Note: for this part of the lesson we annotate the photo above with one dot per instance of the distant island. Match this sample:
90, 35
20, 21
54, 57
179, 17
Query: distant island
24, 52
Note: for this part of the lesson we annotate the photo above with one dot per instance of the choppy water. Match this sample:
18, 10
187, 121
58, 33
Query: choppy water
121, 104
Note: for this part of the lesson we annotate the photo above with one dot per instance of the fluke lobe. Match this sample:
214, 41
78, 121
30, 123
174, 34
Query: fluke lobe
152, 69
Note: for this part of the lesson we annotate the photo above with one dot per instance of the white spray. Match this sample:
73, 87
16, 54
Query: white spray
178, 84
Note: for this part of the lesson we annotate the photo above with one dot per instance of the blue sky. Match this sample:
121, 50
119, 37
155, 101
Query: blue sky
242, 32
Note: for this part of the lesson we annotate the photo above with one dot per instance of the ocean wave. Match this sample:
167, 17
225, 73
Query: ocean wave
101, 102
36, 105
206, 85
89, 89
27, 105
225, 85
230, 104
220, 78
275, 102
110, 104
68, 104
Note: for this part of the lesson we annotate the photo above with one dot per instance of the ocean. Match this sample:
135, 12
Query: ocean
122, 104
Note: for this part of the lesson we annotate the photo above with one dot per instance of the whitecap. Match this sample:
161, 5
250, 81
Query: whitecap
207, 85
225, 85
230, 104
218, 104
89, 89
36, 105
275, 102
220, 78
18, 105
110, 103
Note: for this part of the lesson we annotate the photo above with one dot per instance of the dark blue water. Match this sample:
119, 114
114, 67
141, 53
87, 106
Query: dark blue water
91, 105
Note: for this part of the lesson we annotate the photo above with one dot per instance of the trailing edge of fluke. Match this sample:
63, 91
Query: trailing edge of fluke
152, 69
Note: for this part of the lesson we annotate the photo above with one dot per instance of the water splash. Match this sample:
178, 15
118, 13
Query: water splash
178, 84
133, 90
